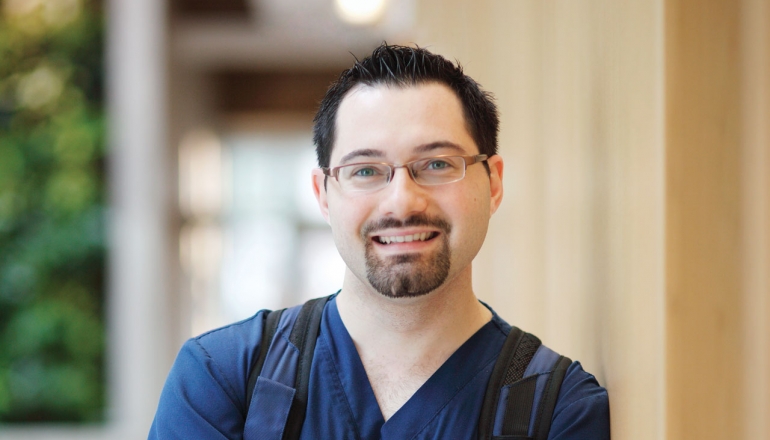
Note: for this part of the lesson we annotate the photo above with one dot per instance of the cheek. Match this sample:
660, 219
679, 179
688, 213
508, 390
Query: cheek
471, 217
345, 237
346, 218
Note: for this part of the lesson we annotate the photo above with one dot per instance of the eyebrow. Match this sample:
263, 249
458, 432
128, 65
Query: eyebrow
366, 152
425, 148
439, 145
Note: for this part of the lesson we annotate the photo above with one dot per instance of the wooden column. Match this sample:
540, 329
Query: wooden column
704, 291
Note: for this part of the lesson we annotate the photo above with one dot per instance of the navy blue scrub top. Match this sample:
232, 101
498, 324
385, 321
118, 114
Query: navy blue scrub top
204, 395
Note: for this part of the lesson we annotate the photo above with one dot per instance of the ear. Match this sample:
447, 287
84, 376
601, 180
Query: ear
495, 182
320, 192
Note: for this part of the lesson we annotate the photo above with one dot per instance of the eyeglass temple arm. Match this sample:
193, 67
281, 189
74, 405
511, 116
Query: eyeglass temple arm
470, 160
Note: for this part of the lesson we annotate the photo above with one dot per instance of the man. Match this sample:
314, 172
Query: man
409, 177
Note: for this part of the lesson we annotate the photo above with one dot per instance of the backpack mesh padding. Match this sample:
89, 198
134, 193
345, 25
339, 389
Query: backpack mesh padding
527, 347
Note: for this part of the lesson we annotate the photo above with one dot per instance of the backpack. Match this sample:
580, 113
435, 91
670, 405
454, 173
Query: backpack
281, 372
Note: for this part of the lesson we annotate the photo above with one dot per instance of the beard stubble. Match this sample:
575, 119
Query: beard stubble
412, 274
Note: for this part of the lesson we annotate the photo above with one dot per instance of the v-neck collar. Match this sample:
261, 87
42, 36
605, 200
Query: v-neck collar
468, 361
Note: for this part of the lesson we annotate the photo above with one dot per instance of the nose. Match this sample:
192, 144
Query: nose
402, 197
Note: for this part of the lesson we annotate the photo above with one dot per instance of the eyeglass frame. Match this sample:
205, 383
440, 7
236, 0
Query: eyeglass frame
467, 161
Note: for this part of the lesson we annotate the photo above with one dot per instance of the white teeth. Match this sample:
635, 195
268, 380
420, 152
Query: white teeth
422, 236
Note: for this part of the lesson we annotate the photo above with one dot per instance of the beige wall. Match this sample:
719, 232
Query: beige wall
634, 231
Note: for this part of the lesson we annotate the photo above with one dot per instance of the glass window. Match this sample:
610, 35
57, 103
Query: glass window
261, 242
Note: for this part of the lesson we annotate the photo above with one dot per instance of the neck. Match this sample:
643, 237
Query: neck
403, 341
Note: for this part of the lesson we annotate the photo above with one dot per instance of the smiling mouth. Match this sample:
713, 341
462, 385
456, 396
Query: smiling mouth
422, 236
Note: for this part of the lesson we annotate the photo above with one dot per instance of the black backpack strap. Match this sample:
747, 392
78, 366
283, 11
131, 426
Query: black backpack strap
303, 336
271, 325
518, 409
517, 352
548, 400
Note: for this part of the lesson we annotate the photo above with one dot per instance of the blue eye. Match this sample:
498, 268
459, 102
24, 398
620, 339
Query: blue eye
365, 172
438, 165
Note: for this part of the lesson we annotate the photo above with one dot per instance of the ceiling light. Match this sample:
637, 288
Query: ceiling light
360, 12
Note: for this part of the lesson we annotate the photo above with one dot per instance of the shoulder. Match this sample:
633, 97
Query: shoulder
232, 341
204, 394
577, 382
582, 406
224, 355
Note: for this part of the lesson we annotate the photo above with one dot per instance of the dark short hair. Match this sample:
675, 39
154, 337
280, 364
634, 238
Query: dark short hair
403, 66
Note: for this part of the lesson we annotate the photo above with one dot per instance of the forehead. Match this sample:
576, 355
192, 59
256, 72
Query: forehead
396, 121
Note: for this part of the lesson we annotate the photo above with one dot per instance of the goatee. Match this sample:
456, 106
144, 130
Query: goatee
407, 275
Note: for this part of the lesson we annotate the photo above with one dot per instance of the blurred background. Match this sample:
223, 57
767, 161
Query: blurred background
155, 165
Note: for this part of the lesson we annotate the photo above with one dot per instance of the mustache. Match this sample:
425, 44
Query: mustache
414, 220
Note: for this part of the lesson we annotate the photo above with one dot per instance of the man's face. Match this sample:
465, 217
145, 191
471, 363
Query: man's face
407, 240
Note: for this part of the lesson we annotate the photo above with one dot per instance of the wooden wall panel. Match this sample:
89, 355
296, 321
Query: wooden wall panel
704, 291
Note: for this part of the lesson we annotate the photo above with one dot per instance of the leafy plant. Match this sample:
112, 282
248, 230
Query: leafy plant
52, 209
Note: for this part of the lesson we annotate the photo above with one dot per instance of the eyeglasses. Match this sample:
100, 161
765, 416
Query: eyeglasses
436, 170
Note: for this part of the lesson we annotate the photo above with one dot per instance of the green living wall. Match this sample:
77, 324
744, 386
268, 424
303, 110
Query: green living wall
52, 209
